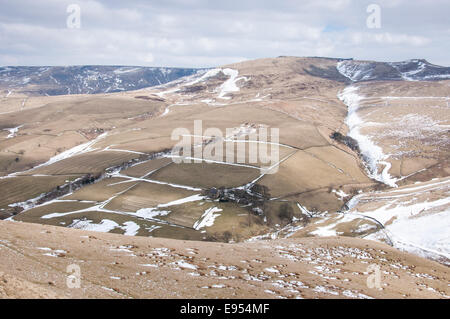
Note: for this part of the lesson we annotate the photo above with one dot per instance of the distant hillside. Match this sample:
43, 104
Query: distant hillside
87, 79
410, 70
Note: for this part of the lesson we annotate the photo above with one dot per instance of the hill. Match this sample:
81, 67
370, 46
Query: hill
360, 150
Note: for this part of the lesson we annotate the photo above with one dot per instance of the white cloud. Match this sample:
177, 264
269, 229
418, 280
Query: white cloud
205, 33
392, 38
387, 38
330, 4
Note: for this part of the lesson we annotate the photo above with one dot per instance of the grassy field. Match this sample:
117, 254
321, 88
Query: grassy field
295, 175
206, 175
145, 195
92, 163
23, 188
144, 168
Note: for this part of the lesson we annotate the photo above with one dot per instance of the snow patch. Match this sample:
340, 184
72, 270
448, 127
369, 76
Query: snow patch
229, 85
104, 226
130, 228
208, 218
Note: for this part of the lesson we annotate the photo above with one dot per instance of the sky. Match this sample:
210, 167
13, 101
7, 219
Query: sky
201, 33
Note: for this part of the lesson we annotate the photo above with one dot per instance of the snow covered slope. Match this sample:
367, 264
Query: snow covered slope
410, 70
415, 218
88, 79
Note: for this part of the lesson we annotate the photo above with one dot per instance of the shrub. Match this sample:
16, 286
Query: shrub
286, 212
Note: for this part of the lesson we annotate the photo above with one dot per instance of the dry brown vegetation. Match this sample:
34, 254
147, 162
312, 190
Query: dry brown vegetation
316, 177
35, 258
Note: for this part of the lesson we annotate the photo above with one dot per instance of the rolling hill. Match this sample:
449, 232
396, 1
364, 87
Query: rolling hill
361, 159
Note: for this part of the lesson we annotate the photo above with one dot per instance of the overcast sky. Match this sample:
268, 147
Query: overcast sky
201, 33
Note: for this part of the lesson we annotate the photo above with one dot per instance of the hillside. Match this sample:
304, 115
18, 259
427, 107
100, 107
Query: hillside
85, 79
362, 152
35, 259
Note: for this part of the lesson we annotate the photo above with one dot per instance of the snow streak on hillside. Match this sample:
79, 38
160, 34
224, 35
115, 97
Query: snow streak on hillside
201, 78
373, 155
229, 85
354, 71
410, 70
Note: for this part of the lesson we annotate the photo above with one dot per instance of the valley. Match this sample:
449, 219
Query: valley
362, 164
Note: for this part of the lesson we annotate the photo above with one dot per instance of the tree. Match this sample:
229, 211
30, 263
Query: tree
286, 212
